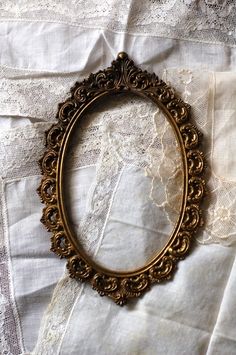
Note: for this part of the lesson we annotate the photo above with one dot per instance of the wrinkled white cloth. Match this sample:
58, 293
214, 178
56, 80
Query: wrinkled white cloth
45, 47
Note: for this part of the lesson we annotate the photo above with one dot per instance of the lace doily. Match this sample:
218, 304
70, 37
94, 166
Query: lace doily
203, 20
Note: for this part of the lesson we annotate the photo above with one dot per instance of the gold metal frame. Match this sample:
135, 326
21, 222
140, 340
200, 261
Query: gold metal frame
122, 77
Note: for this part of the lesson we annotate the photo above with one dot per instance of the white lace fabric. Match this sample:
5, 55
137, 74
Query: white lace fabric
52, 44
32, 93
204, 20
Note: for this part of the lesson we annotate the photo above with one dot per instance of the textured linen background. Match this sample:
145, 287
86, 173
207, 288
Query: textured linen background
45, 48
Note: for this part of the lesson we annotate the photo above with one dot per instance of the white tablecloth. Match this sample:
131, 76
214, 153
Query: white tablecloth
45, 47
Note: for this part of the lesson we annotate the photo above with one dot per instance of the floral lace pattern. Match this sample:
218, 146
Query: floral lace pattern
203, 20
220, 213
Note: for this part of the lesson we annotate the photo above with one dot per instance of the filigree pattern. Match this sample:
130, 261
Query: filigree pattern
122, 77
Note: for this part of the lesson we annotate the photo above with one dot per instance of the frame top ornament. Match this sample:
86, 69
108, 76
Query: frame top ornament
121, 77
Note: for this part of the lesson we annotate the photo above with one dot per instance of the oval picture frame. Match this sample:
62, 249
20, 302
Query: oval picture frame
121, 77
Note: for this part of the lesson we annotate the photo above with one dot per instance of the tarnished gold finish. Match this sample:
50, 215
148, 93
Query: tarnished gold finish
122, 77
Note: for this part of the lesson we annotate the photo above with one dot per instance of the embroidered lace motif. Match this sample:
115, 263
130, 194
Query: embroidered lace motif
204, 20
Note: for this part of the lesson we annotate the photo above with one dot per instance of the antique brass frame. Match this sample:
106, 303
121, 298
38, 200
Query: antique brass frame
122, 77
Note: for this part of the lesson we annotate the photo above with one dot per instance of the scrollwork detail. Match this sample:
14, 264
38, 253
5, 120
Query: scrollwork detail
106, 79
196, 186
47, 190
162, 270
181, 245
192, 218
60, 245
134, 286
104, 284
51, 218
54, 136
78, 268
178, 110
48, 163
138, 79
190, 135
165, 94
195, 162
67, 110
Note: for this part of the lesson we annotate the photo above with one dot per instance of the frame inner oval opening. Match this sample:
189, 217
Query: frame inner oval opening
123, 182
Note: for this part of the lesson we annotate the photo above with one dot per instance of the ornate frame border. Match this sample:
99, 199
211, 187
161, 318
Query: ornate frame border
122, 77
